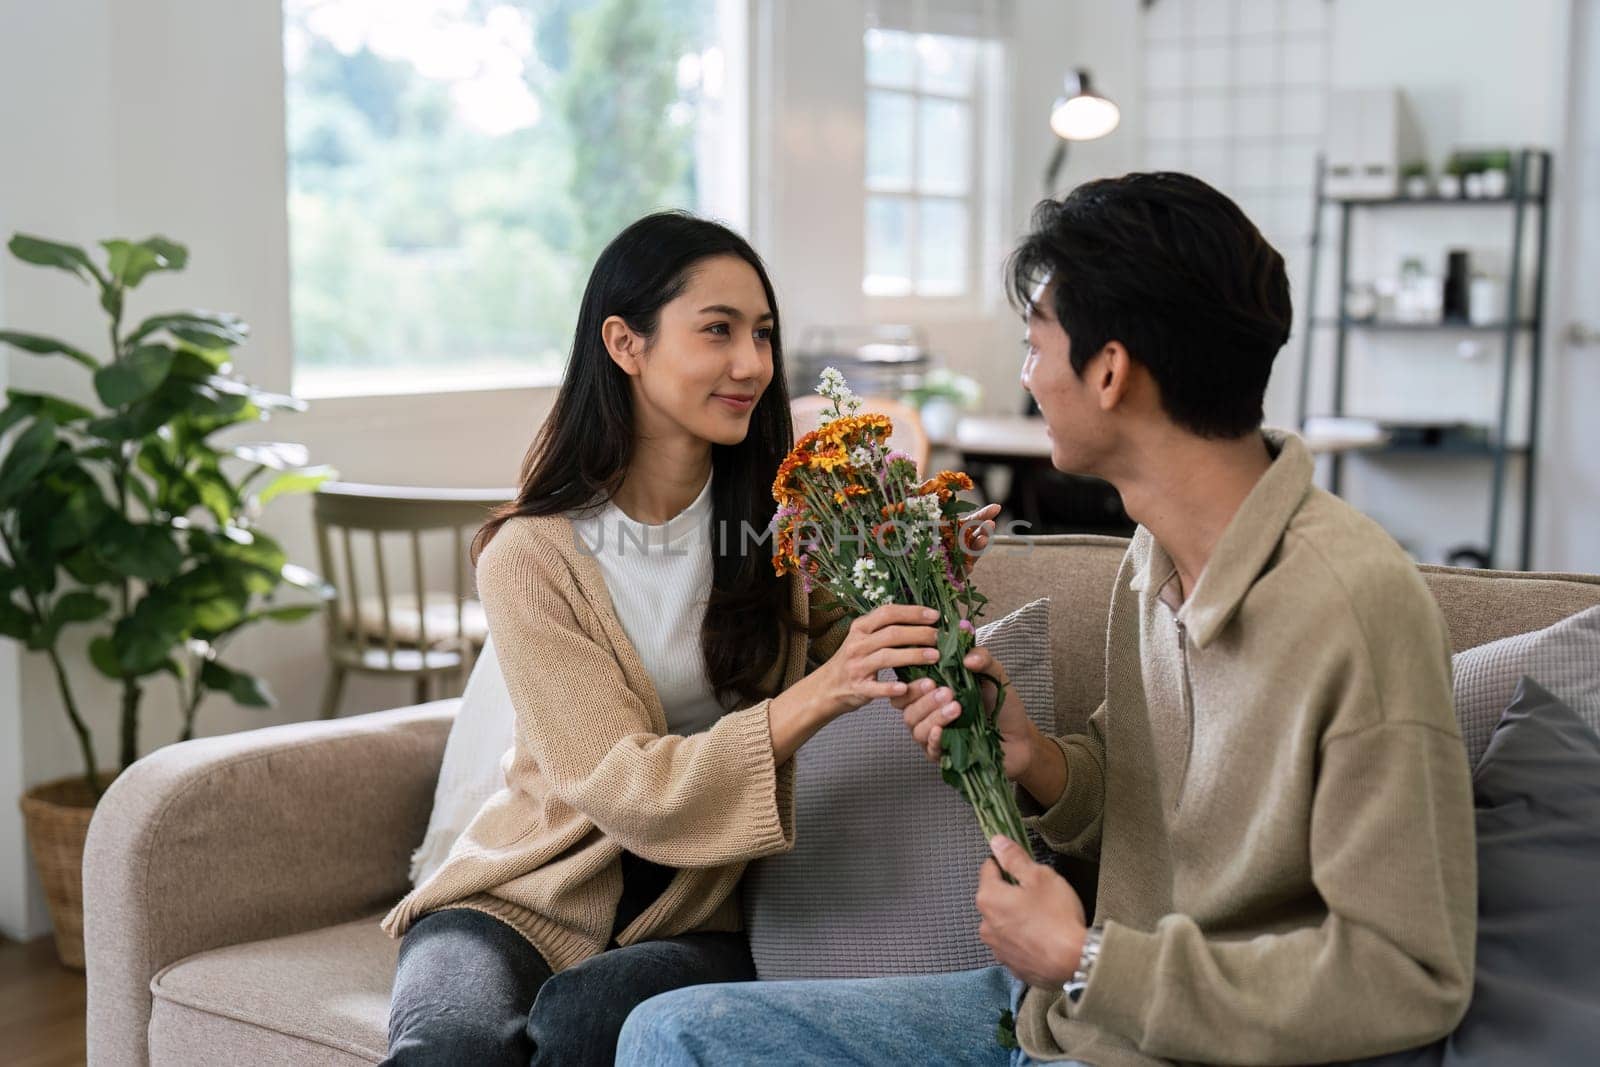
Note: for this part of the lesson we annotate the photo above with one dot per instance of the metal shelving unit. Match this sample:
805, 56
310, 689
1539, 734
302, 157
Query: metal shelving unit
1530, 196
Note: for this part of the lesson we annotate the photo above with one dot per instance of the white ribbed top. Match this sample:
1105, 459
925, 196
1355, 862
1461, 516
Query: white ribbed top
659, 578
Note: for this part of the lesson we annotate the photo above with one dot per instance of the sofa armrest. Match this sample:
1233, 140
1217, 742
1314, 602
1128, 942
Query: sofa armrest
247, 836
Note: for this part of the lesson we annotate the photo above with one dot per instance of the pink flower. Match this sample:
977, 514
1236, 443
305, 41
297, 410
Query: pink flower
966, 624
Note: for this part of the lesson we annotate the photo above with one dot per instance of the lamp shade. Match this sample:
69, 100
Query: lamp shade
1081, 114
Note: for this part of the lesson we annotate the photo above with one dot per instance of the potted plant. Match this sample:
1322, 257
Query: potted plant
940, 398
134, 521
1496, 173
1414, 179
1456, 169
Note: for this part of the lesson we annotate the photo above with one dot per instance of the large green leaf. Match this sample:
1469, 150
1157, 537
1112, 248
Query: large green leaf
103, 654
144, 640
78, 512
207, 330
86, 568
61, 412
77, 606
29, 454
244, 688
131, 261
197, 364
40, 345
15, 622
215, 616
38, 251
140, 551
295, 481
134, 376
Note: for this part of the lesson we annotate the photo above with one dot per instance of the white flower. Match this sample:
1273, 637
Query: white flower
871, 580
833, 387
924, 506
860, 456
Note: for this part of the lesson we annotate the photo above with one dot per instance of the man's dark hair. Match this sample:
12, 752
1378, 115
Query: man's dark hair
1172, 269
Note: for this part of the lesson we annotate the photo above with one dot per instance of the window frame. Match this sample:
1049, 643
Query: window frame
983, 200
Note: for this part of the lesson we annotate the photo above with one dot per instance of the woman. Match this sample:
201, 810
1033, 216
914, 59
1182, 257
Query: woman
633, 602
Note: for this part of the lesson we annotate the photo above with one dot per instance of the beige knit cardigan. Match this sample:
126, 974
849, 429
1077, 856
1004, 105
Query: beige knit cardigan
593, 771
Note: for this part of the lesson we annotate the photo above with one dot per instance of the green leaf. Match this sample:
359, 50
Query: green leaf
131, 261
29, 454
215, 616
15, 623
246, 689
289, 613
69, 608
103, 654
40, 345
134, 376
42, 253
77, 518
207, 330
141, 551
144, 639
216, 494
61, 412
295, 481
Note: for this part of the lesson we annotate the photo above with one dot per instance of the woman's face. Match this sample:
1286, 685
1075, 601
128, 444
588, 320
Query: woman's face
710, 359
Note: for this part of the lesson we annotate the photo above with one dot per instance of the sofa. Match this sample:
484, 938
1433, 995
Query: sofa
233, 885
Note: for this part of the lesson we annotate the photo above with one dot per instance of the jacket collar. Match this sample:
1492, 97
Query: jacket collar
1247, 544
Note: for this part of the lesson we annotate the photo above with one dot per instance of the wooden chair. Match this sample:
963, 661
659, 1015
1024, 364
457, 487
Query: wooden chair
909, 436
425, 633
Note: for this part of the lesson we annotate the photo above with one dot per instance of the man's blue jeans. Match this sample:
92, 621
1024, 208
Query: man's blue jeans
939, 1018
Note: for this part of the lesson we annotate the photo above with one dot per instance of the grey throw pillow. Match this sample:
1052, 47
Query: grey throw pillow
1565, 658
886, 855
1536, 990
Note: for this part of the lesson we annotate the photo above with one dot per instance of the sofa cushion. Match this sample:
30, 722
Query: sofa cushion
886, 855
474, 761
1564, 658
315, 998
1536, 991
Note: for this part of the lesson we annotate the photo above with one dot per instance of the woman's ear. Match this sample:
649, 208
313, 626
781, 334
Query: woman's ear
623, 345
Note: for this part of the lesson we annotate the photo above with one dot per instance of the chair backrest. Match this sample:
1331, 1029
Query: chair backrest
908, 436
344, 510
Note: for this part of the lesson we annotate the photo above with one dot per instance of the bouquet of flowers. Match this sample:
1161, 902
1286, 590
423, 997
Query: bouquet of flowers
853, 517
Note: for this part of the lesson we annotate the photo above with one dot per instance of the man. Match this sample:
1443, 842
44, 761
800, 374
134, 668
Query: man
1274, 785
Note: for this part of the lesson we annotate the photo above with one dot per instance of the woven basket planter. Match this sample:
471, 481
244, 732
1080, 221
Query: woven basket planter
57, 817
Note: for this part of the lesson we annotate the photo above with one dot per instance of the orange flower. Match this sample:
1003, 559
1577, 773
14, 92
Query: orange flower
946, 484
842, 496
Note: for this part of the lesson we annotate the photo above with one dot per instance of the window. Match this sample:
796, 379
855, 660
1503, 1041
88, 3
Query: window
929, 194
456, 165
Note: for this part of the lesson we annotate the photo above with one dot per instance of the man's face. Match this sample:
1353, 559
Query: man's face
1070, 413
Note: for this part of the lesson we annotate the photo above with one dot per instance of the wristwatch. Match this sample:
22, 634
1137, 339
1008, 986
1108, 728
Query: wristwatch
1079, 981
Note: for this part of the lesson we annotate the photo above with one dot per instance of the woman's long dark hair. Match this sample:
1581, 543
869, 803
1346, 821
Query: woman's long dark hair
584, 450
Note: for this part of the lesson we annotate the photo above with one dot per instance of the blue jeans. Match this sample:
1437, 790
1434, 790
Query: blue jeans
471, 990
937, 1018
